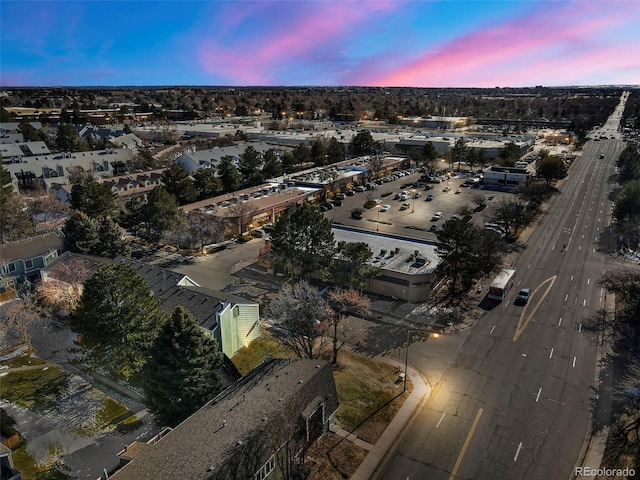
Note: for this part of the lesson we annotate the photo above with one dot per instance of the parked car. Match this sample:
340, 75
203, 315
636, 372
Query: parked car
384, 208
523, 296
458, 190
455, 216
433, 228
360, 188
436, 216
377, 201
396, 196
340, 196
446, 189
429, 198
417, 195
405, 206
350, 193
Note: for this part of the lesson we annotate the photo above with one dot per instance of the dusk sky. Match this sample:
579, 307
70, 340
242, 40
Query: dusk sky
415, 43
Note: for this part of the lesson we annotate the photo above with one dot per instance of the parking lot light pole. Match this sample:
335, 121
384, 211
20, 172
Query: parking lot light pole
413, 204
378, 222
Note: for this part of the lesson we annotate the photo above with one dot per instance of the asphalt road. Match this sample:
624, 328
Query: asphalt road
517, 399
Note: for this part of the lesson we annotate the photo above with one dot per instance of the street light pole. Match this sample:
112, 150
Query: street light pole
406, 363
378, 222
413, 204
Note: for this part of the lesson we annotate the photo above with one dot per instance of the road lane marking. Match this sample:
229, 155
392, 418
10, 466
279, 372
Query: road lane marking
574, 362
494, 327
588, 281
579, 328
584, 302
528, 266
438, 424
517, 452
464, 447
551, 353
560, 321
566, 297
571, 279
524, 321
538, 396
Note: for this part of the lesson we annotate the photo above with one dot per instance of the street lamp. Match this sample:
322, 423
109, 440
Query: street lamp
406, 355
378, 222
413, 196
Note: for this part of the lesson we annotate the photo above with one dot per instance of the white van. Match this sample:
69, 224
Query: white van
522, 164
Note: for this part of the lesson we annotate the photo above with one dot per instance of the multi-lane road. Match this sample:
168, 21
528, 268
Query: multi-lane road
517, 399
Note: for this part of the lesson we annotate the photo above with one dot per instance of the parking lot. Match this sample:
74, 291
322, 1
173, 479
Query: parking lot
413, 216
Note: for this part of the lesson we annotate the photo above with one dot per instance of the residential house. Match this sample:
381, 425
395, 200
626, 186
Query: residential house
193, 160
23, 260
259, 428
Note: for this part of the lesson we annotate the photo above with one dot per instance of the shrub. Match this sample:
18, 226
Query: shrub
357, 213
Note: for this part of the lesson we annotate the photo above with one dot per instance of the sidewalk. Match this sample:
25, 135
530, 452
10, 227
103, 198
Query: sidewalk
378, 452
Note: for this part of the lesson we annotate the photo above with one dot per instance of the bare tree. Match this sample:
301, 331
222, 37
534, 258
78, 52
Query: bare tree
204, 228
375, 163
22, 315
62, 291
242, 212
300, 318
343, 302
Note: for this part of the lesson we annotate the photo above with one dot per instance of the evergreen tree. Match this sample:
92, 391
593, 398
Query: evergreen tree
81, 233
335, 151
363, 144
429, 152
178, 183
67, 139
180, 375
272, 166
118, 318
250, 165
92, 198
351, 266
302, 240
207, 183
229, 175
159, 213
111, 241
550, 168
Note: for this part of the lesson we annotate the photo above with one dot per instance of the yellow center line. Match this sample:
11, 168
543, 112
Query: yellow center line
464, 447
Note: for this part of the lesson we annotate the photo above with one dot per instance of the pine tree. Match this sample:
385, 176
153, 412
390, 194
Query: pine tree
180, 375
118, 318
81, 233
111, 241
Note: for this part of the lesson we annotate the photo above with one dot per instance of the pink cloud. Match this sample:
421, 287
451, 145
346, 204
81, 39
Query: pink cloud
307, 34
548, 44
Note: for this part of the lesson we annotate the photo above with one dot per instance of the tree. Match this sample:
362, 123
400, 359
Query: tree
206, 183
178, 183
317, 152
514, 213
551, 168
111, 242
343, 302
204, 228
375, 164
22, 315
335, 151
61, 295
67, 139
30, 133
288, 162
14, 219
159, 213
93, 198
46, 210
241, 214
627, 206
272, 166
459, 251
118, 318
429, 152
351, 265
250, 165
144, 159
302, 240
301, 155
180, 375
363, 144
535, 192
229, 175
300, 317
81, 233
459, 151
6, 191
511, 154
629, 164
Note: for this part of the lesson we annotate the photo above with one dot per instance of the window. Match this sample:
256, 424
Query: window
28, 263
12, 267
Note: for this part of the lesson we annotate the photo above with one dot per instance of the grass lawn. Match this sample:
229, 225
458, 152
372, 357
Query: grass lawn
262, 348
368, 393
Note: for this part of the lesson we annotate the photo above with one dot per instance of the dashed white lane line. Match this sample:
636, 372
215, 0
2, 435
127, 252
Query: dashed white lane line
574, 362
517, 452
439, 421
551, 353
538, 396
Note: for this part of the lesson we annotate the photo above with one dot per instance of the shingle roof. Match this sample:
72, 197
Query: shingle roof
270, 399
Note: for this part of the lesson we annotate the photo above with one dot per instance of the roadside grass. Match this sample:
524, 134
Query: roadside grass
26, 465
369, 394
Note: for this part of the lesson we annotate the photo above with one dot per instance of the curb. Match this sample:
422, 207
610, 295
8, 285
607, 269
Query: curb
378, 454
